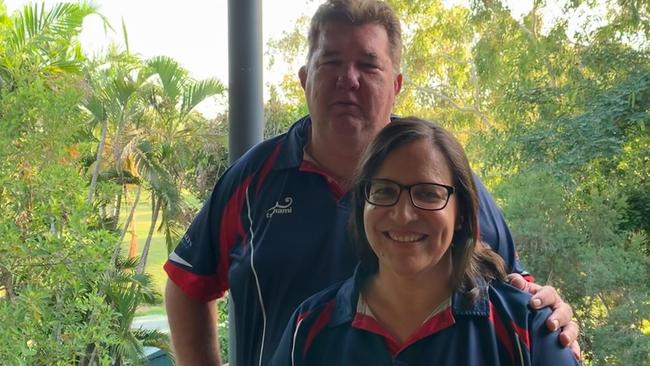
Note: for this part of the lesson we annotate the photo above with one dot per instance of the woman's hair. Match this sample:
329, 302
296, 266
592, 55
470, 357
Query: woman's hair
471, 259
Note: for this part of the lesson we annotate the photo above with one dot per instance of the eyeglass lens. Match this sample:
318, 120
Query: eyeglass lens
428, 196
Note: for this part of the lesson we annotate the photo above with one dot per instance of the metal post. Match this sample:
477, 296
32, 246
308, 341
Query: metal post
245, 103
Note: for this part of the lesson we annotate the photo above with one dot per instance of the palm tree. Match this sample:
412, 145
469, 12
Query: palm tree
125, 290
44, 42
172, 97
115, 102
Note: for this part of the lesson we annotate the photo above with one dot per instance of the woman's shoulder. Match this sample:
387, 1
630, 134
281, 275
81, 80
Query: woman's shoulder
513, 305
506, 292
510, 307
503, 291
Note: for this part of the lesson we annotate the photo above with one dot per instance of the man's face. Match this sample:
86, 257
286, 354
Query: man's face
350, 83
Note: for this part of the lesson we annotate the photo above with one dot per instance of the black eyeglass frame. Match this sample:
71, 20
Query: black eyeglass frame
366, 193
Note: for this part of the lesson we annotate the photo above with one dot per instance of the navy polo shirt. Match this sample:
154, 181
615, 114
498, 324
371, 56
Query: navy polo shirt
497, 329
274, 232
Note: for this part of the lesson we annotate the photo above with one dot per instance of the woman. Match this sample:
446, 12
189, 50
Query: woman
426, 290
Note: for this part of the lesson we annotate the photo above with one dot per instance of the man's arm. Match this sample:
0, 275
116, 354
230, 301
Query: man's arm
193, 327
560, 318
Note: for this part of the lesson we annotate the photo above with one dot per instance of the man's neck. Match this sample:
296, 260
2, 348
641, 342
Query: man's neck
336, 160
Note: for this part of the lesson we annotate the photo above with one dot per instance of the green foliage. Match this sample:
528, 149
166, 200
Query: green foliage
555, 118
53, 244
569, 158
66, 297
223, 328
125, 290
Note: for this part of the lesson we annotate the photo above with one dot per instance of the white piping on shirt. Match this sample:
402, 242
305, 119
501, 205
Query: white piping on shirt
521, 355
257, 281
293, 345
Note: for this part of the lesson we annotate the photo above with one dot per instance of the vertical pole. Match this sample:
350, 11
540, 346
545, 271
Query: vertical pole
245, 103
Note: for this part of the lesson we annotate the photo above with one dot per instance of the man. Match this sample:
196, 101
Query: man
274, 230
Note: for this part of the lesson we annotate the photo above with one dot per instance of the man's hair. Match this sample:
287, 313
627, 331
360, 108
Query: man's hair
471, 259
358, 12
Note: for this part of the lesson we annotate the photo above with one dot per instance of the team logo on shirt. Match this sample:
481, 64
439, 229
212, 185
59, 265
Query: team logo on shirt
280, 209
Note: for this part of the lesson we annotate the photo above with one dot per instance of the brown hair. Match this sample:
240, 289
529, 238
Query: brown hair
471, 259
358, 12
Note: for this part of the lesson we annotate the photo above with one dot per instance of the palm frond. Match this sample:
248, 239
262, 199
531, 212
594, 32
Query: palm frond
154, 338
197, 92
124, 88
156, 175
173, 233
171, 74
36, 24
63, 66
96, 106
126, 36
126, 159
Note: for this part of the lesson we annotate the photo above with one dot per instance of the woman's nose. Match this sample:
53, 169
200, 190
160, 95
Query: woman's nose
403, 210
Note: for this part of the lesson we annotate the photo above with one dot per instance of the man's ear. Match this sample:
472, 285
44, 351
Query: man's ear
302, 75
397, 84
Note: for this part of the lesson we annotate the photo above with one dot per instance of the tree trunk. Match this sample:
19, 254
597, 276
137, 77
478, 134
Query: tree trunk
118, 207
98, 160
156, 203
116, 250
133, 243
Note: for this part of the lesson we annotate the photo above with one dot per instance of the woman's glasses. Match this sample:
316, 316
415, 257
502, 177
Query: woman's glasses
425, 196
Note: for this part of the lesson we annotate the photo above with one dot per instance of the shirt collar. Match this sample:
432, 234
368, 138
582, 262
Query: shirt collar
291, 153
348, 296
480, 307
297, 136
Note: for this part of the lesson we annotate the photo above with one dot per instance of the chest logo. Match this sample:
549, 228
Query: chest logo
280, 209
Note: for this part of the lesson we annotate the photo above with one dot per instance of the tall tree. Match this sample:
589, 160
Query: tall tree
173, 97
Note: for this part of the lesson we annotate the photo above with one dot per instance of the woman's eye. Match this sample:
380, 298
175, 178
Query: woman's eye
429, 196
385, 191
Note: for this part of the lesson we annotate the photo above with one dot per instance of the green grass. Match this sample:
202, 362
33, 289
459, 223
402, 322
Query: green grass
157, 252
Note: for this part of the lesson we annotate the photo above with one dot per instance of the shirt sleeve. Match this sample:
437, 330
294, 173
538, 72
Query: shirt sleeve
494, 230
199, 264
545, 348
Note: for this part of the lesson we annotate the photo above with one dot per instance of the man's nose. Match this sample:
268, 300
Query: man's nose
348, 78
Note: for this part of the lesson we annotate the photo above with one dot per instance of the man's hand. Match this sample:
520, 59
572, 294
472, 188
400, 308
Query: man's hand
561, 315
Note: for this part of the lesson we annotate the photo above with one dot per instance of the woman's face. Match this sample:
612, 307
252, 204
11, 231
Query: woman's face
408, 241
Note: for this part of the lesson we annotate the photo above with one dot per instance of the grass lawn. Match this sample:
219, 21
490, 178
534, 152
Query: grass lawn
158, 256
157, 252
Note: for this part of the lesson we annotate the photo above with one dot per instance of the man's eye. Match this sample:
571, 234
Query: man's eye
330, 62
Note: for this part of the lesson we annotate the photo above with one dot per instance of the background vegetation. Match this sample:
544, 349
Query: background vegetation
104, 161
